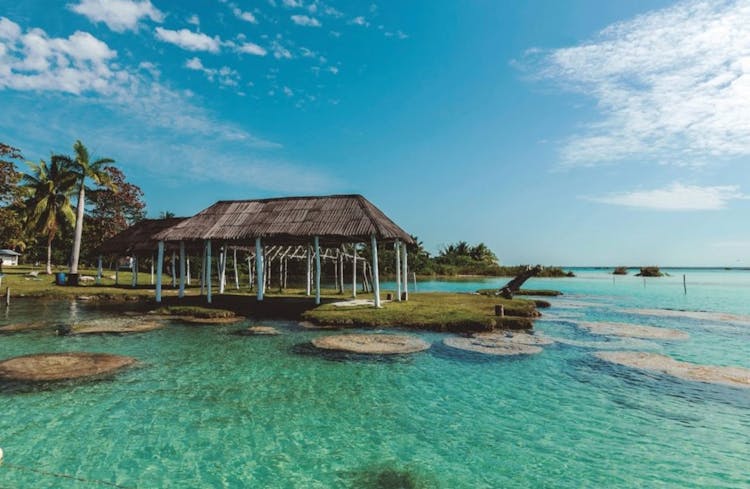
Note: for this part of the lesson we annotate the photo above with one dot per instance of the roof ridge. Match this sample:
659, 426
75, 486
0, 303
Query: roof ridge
296, 197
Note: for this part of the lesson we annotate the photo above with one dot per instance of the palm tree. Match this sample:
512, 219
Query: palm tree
82, 168
48, 205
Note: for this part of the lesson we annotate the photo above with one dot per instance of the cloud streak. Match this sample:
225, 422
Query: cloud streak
672, 86
676, 197
118, 15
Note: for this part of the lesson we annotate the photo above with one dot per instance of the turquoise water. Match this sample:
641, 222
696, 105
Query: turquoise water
207, 408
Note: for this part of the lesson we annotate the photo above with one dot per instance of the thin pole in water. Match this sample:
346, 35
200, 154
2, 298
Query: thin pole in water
7, 296
684, 283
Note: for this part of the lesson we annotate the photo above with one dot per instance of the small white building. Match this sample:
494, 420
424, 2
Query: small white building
9, 257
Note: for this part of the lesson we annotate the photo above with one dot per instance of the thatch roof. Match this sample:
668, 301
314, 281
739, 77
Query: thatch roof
290, 220
138, 237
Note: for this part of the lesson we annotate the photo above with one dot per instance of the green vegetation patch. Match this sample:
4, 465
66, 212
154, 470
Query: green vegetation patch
536, 292
196, 312
434, 311
650, 272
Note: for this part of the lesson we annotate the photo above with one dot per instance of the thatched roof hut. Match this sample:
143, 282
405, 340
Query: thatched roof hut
335, 219
138, 238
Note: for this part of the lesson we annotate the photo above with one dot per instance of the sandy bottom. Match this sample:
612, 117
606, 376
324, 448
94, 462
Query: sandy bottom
195, 320
633, 331
697, 315
620, 344
13, 328
732, 376
262, 330
46, 367
357, 302
372, 344
116, 325
492, 346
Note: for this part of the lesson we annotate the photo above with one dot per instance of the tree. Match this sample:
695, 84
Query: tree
111, 211
166, 215
84, 169
9, 176
12, 233
48, 205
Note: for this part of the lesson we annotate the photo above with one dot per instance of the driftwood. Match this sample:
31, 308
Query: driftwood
515, 284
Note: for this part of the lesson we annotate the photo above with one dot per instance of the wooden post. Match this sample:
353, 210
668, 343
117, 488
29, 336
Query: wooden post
309, 272
499, 310
316, 244
134, 270
174, 270
684, 283
354, 270
365, 285
208, 271
236, 271
405, 271
181, 293
341, 270
286, 271
7, 296
159, 265
259, 268
375, 273
99, 271
268, 272
397, 246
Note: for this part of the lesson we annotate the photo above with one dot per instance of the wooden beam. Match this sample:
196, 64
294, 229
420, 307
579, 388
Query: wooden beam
181, 293
236, 270
316, 244
405, 271
354, 270
375, 274
259, 268
159, 265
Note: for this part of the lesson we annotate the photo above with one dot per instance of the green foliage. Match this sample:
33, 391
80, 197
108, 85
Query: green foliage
434, 311
620, 271
650, 272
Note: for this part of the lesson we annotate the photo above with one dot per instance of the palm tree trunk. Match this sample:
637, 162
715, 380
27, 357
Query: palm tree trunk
78, 230
49, 253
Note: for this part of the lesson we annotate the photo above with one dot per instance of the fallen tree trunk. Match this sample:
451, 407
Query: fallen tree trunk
515, 284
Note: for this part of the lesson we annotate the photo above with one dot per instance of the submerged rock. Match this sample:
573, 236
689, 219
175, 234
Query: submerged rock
371, 344
633, 331
696, 315
111, 325
261, 331
731, 376
491, 346
18, 327
515, 338
49, 367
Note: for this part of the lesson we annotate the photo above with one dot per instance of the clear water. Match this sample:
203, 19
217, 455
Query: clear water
210, 409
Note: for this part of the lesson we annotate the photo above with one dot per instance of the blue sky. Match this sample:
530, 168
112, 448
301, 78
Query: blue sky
575, 133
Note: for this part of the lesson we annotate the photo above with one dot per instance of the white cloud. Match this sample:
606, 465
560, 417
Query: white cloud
251, 48
333, 70
672, 85
225, 75
292, 3
359, 20
676, 197
246, 16
119, 15
188, 40
305, 21
194, 20
288, 92
280, 51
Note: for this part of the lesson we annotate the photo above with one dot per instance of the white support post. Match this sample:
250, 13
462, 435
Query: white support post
336, 274
208, 271
250, 272
152, 269
236, 271
187, 266
316, 245
134, 272
259, 268
375, 275
397, 245
354, 270
309, 271
341, 270
181, 293
174, 270
405, 271
99, 271
159, 265
221, 268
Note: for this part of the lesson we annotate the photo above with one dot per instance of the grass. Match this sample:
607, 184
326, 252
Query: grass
536, 292
434, 311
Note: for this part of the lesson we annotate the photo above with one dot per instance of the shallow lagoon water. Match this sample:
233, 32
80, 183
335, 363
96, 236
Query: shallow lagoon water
207, 408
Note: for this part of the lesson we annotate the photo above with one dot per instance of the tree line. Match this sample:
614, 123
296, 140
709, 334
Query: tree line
59, 211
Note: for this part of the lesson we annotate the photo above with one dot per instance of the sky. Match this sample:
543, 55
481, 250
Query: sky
563, 133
